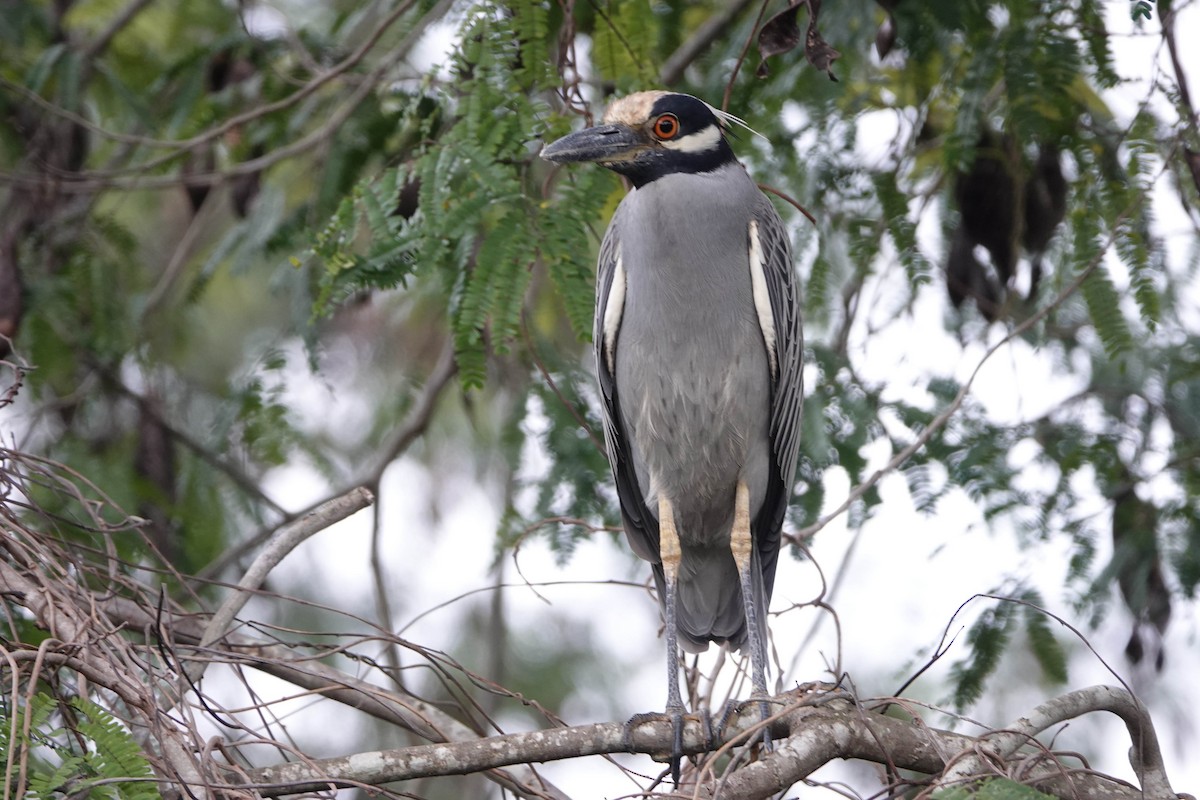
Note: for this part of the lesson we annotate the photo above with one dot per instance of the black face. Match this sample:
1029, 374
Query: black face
683, 135
649, 135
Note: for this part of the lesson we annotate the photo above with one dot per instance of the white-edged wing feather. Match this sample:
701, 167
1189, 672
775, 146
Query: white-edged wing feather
762, 299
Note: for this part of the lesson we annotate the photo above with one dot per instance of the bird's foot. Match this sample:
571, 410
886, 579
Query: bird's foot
764, 714
675, 715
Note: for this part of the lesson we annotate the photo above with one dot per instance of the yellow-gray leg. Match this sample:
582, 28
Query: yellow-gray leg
741, 543
670, 553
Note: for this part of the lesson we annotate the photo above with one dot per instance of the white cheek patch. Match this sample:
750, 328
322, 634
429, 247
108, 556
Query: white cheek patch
762, 299
612, 315
697, 142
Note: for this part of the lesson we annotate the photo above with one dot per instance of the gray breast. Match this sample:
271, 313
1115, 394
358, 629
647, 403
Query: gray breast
691, 363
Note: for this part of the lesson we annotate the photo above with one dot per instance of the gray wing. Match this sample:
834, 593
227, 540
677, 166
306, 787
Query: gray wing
641, 527
786, 389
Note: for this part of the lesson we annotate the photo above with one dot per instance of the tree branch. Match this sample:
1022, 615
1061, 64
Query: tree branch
285, 540
95, 659
419, 414
90, 181
1145, 756
395, 707
812, 736
700, 40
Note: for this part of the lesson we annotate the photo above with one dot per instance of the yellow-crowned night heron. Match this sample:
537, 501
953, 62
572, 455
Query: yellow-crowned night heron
698, 349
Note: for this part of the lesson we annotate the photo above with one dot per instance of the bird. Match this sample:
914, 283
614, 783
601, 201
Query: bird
699, 355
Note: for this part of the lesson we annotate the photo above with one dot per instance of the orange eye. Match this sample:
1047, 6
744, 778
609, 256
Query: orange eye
666, 126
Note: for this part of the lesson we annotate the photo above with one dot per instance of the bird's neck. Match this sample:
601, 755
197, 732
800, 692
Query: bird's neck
673, 162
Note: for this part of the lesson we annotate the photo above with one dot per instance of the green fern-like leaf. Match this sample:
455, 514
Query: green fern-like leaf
1133, 240
902, 229
1048, 651
59, 781
1144, 264
987, 640
1103, 304
567, 244
992, 789
116, 755
503, 270
818, 290
623, 42
379, 200
531, 24
1091, 26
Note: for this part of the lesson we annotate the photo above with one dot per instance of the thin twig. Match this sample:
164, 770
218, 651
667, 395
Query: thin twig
1185, 96
790, 200
419, 414
742, 56
708, 31
945, 415
95, 180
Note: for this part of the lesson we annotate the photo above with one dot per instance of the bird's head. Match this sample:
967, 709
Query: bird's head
650, 134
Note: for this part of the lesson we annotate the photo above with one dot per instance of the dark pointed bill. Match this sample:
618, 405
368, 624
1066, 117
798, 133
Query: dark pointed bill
604, 143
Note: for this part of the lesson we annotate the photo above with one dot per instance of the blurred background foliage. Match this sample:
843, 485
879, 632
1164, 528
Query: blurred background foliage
205, 207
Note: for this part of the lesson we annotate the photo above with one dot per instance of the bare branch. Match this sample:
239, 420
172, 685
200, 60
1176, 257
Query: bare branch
395, 707
814, 736
1145, 756
69, 625
1185, 96
708, 31
93, 632
101, 42
419, 415
285, 540
90, 181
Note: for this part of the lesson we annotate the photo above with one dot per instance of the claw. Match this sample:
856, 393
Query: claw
710, 733
727, 714
675, 757
676, 715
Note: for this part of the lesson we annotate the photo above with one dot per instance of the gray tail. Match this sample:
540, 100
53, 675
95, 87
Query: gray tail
709, 605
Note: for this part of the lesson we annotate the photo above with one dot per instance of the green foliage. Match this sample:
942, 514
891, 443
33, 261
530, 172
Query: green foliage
477, 230
1049, 652
623, 43
570, 488
902, 229
1103, 303
991, 789
989, 638
116, 755
78, 749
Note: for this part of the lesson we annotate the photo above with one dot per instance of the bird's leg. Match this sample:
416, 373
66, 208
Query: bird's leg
741, 543
670, 553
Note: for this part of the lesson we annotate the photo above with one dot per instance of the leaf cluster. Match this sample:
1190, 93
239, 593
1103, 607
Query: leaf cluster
478, 230
74, 749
